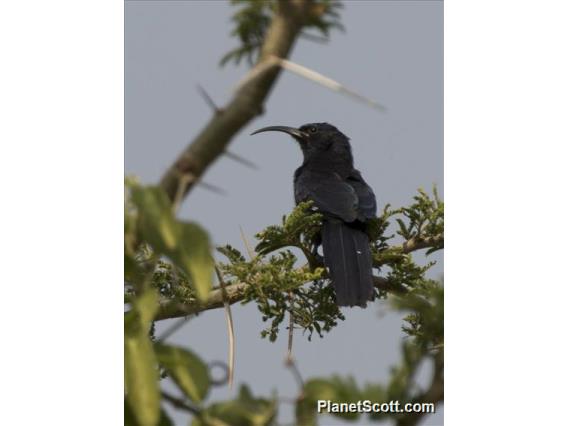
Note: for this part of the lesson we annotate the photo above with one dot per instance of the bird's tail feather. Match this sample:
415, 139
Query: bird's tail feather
348, 256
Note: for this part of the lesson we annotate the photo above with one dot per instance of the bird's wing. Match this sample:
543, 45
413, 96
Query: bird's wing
329, 193
367, 206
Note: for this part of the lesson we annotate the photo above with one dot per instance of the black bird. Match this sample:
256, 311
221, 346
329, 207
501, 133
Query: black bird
337, 189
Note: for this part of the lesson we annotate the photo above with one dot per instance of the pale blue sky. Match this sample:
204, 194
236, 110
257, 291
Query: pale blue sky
392, 52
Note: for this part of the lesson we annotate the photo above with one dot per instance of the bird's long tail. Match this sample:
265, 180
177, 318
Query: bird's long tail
347, 254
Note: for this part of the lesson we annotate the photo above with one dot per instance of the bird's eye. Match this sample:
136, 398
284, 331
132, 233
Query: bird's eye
312, 129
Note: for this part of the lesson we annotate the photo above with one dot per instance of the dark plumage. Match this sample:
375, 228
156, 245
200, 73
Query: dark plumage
328, 178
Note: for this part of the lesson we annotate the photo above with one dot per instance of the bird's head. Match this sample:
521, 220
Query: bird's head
315, 139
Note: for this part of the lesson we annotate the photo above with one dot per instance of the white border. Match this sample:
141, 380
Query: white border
61, 175
61, 171
505, 177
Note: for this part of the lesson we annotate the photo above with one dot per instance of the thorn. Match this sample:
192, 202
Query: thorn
314, 38
325, 81
258, 70
230, 328
241, 160
209, 100
250, 251
184, 180
211, 188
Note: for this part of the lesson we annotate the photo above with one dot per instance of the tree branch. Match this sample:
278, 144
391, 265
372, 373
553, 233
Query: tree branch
418, 243
392, 254
245, 105
235, 292
180, 403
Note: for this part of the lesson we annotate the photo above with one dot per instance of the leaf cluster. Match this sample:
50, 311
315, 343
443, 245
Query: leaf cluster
143, 360
423, 218
164, 262
278, 285
425, 304
152, 234
300, 229
425, 322
245, 410
253, 17
422, 221
164, 258
278, 288
425, 346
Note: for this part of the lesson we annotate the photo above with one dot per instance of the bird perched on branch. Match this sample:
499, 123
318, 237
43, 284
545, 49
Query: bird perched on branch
327, 178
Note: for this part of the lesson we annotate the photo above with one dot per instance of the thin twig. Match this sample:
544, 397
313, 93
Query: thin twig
291, 364
180, 403
289, 357
230, 327
289, 361
173, 328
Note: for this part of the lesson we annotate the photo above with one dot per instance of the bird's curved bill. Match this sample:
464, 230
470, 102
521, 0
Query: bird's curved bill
297, 133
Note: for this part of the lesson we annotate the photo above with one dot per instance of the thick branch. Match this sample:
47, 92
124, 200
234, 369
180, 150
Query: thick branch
245, 105
235, 292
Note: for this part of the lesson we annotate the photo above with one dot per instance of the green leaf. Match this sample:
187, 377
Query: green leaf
377, 394
132, 271
336, 389
165, 419
305, 412
146, 306
246, 410
140, 364
403, 230
130, 419
231, 253
195, 257
185, 243
156, 221
320, 389
186, 369
141, 379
